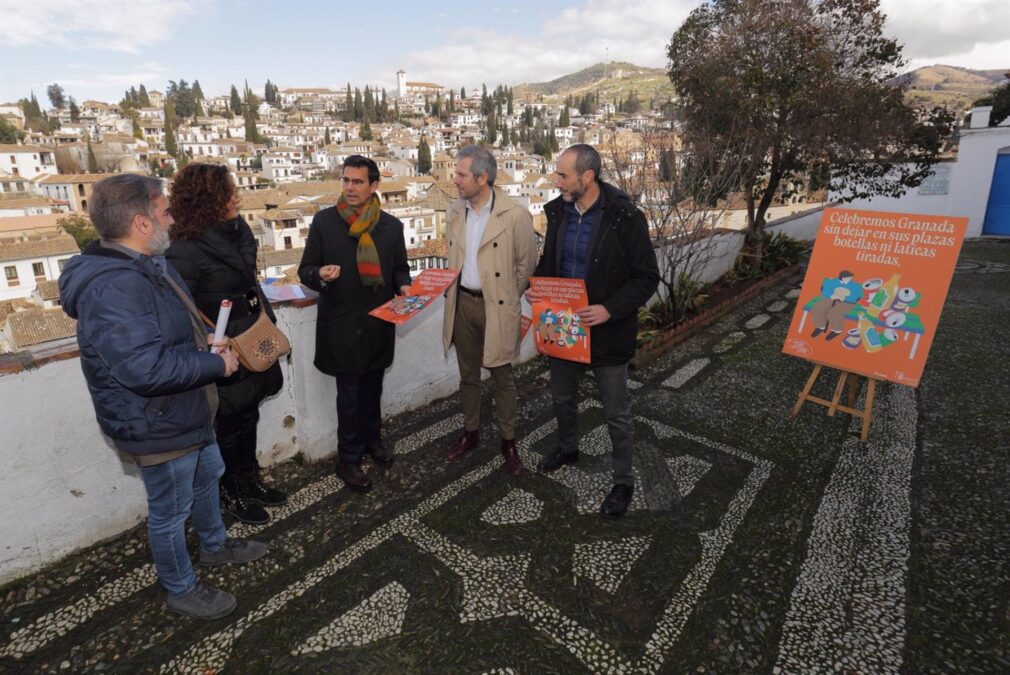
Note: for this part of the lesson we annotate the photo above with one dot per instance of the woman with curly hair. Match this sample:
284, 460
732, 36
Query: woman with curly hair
215, 252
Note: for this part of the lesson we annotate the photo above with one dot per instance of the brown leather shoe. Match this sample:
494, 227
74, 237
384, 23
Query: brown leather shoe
513, 464
467, 442
354, 478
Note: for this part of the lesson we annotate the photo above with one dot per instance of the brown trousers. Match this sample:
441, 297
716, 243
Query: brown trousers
468, 336
830, 314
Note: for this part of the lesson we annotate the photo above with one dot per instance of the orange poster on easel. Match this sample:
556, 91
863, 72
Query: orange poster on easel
873, 292
428, 285
558, 330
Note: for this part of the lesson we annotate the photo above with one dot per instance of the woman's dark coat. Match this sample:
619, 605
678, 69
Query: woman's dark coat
348, 340
218, 264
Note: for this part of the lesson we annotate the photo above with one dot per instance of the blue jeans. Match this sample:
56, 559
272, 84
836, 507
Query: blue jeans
175, 490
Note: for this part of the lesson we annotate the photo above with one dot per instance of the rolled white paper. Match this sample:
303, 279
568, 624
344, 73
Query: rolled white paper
222, 323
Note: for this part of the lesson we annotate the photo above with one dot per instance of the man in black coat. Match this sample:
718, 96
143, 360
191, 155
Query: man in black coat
595, 232
356, 258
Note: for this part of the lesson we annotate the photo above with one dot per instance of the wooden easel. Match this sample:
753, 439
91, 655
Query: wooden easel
834, 405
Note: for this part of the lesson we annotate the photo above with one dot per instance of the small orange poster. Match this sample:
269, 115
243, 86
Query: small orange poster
874, 290
559, 331
524, 325
424, 290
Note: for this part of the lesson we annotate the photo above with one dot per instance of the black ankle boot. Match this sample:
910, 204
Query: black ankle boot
256, 491
235, 502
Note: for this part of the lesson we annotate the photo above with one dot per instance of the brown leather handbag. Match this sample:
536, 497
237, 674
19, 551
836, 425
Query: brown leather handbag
262, 344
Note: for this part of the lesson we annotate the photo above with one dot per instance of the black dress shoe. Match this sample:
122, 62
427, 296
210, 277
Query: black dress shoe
617, 501
816, 332
555, 459
379, 453
354, 478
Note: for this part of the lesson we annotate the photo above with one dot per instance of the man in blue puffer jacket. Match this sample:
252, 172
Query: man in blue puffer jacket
151, 376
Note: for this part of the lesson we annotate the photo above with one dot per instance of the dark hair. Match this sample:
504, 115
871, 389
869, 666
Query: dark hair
199, 199
481, 161
586, 159
359, 161
117, 199
845, 273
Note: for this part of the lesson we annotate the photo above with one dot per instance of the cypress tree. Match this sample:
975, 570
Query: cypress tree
366, 130
492, 128
326, 137
197, 91
143, 98
565, 120
170, 146
92, 160
236, 101
348, 105
423, 156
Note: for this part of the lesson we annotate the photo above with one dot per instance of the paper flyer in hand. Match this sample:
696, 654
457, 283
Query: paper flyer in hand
428, 285
558, 330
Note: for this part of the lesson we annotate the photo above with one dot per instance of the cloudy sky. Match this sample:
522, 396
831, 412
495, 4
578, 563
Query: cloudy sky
98, 48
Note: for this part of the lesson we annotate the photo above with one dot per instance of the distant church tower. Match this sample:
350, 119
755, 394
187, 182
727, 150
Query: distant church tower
401, 84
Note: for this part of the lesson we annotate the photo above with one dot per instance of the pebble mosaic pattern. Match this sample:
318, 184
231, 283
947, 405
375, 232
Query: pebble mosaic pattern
495, 587
728, 342
515, 508
755, 565
848, 606
52, 626
687, 470
982, 266
686, 372
607, 563
379, 617
596, 443
777, 306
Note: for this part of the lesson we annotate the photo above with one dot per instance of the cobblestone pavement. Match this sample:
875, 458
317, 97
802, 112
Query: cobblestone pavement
753, 544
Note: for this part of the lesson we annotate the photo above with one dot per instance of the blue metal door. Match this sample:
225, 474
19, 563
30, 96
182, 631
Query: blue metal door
997, 214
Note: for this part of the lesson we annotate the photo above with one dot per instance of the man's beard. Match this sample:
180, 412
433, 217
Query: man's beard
576, 195
160, 243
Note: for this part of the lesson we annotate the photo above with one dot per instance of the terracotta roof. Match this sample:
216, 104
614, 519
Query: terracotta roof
23, 202
431, 247
74, 178
48, 289
22, 250
14, 148
280, 214
6, 307
35, 326
392, 186
39, 222
288, 256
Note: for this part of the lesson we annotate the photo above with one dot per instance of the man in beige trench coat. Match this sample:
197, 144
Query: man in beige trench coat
492, 243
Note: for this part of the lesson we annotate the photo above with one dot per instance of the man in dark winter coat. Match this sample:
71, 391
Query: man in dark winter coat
595, 232
356, 258
151, 376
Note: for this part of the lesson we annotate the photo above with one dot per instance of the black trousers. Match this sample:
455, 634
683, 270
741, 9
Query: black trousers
236, 436
359, 417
